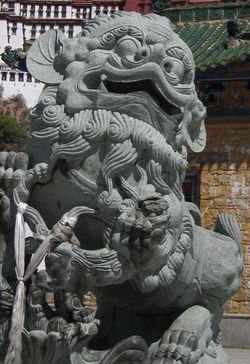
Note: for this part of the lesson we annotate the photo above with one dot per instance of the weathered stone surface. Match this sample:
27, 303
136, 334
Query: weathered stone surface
104, 204
225, 187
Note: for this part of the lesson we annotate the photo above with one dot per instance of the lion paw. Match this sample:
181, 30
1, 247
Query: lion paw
41, 172
84, 315
179, 345
79, 329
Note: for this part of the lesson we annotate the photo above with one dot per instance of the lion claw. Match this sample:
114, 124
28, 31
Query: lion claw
178, 346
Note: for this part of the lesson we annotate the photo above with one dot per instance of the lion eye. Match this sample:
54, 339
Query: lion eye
127, 46
168, 65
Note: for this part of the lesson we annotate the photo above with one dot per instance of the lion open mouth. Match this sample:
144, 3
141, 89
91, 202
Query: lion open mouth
147, 86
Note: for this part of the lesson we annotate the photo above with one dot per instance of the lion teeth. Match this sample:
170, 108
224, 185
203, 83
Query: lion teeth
102, 87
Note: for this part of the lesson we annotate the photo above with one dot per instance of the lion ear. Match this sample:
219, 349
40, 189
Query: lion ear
41, 56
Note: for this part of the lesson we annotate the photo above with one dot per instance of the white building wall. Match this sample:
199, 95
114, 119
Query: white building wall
29, 90
36, 11
28, 10
68, 12
17, 8
3, 35
93, 11
15, 40
27, 31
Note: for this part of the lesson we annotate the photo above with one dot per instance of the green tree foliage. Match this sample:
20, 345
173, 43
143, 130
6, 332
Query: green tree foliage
16, 107
14, 123
10, 130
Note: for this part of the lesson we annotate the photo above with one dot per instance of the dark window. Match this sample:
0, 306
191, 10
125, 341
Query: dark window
40, 11
24, 10
212, 99
217, 86
56, 12
191, 188
29, 78
12, 76
14, 28
63, 11
32, 13
213, 86
51, 26
142, 5
71, 31
20, 77
48, 11
42, 30
209, 92
4, 76
246, 84
11, 7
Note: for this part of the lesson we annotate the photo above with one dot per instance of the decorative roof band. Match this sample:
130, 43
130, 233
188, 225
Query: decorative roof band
204, 12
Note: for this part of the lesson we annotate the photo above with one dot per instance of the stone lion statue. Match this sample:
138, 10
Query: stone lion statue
101, 196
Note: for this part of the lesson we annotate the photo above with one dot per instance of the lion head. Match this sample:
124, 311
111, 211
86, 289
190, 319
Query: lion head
119, 108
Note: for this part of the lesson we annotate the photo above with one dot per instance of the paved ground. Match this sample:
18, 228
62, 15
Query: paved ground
238, 356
